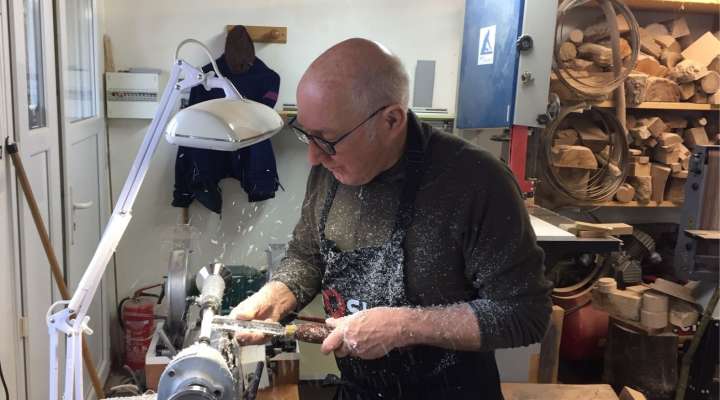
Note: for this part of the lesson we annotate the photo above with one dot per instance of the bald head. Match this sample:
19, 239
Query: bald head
358, 72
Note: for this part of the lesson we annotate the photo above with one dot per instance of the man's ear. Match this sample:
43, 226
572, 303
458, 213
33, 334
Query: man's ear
395, 117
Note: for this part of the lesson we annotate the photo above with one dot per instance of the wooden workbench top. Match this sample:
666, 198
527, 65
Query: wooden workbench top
535, 391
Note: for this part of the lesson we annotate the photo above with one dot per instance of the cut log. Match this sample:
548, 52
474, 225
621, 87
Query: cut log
704, 50
683, 152
661, 89
700, 97
696, 137
714, 98
600, 30
675, 191
576, 36
679, 28
675, 122
666, 155
578, 64
643, 187
635, 86
625, 49
648, 44
668, 43
667, 139
687, 71
657, 29
687, 91
660, 174
641, 159
710, 83
655, 125
680, 174
590, 134
670, 58
567, 52
675, 167
699, 122
650, 65
625, 193
574, 157
600, 54
566, 136
637, 169
715, 65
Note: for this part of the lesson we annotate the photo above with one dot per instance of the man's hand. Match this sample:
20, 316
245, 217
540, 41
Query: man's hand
368, 334
270, 303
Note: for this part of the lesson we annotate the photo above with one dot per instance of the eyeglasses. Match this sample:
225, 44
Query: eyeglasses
326, 146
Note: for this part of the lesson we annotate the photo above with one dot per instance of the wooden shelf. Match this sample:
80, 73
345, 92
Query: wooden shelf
697, 6
666, 106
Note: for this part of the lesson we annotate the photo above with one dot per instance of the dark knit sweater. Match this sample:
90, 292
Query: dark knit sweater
470, 241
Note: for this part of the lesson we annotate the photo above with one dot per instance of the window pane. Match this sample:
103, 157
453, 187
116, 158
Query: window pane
35, 75
80, 89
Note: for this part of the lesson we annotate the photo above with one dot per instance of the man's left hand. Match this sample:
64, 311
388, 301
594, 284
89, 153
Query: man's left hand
369, 334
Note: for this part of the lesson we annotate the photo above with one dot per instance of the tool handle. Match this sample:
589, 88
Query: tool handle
312, 332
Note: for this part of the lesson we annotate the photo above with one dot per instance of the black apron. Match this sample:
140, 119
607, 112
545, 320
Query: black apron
374, 277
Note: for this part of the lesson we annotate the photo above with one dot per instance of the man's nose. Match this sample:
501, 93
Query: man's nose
315, 155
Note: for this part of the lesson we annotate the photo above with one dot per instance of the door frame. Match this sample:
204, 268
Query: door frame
15, 369
103, 168
29, 142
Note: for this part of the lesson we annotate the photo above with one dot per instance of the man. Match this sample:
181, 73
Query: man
419, 242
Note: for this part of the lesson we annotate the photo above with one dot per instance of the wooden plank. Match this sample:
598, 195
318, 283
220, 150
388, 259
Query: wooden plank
550, 348
265, 34
539, 391
708, 235
658, 105
585, 226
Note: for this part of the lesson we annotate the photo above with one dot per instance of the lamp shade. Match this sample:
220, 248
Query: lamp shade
223, 124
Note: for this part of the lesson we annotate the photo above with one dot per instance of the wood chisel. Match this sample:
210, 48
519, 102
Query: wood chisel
310, 332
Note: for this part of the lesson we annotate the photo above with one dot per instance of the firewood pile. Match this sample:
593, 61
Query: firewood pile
660, 150
670, 67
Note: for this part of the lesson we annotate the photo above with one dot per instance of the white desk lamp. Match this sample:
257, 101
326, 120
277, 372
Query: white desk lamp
226, 124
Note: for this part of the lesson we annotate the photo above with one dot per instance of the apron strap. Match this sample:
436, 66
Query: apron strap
415, 158
414, 170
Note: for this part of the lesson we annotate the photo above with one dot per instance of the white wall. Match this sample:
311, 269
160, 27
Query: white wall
145, 34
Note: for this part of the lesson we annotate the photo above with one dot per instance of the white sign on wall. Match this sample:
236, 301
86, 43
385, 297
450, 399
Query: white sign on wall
486, 51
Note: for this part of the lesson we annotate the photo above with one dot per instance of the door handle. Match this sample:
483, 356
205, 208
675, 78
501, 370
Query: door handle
82, 206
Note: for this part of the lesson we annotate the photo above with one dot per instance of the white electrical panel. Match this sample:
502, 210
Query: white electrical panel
132, 95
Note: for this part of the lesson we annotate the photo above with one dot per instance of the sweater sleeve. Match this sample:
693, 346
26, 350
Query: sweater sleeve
302, 268
505, 265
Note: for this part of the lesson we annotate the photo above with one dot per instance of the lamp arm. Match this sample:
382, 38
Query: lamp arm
72, 320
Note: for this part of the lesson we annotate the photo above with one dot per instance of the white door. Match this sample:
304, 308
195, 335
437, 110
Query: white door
37, 134
10, 346
84, 144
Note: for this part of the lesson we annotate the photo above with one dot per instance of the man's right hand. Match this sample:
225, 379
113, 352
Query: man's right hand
270, 303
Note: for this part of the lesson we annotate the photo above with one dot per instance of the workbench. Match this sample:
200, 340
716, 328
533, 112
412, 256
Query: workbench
511, 391
557, 242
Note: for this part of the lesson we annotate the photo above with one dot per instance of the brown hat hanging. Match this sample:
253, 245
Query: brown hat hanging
239, 50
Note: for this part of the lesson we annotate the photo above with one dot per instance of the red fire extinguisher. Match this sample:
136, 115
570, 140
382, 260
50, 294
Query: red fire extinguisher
137, 316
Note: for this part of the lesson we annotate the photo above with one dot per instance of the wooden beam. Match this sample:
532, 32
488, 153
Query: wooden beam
265, 34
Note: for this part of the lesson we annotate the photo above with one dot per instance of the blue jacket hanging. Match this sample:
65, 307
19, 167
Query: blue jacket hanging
198, 172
